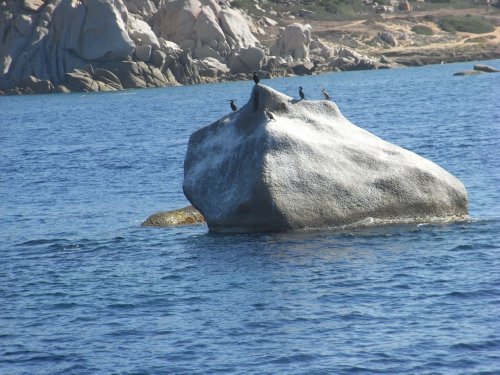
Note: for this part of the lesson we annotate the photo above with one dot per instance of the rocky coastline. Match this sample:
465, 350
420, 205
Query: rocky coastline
56, 46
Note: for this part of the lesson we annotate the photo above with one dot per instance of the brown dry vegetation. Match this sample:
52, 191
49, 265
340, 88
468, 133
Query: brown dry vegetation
412, 48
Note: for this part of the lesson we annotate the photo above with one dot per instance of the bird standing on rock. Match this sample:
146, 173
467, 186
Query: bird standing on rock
325, 93
233, 106
301, 93
256, 78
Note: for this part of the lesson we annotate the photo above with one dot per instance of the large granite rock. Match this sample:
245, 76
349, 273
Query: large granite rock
347, 59
203, 27
247, 60
308, 168
64, 35
293, 41
143, 9
53, 41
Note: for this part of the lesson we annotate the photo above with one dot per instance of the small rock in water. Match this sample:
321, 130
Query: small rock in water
486, 68
182, 216
468, 73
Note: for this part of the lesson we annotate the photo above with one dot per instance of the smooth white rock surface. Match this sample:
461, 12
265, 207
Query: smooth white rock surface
310, 168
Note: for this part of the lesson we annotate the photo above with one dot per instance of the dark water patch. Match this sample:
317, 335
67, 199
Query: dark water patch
35, 358
478, 345
122, 306
473, 294
63, 306
136, 334
41, 242
301, 358
463, 247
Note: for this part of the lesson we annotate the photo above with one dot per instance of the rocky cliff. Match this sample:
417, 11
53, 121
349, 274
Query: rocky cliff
101, 45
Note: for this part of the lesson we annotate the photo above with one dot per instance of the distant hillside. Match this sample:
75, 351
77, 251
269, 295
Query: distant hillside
51, 46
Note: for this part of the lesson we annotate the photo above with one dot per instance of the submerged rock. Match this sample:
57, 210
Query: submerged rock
308, 168
485, 68
182, 216
468, 73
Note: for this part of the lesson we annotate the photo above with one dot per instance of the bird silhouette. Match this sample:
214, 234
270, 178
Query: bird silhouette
325, 93
233, 106
269, 115
256, 78
301, 93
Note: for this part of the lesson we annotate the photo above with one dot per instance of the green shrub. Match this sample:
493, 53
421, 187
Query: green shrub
336, 6
422, 30
468, 24
237, 4
430, 18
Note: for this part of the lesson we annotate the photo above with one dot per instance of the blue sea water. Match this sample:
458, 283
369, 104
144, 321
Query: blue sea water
84, 289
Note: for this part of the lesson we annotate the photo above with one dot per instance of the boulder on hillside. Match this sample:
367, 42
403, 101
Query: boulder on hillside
145, 9
178, 63
143, 53
308, 168
247, 60
211, 68
89, 79
137, 74
347, 59
36, 86
141, 33
237, 29
293, 41
32, 5
203, 27
388, 38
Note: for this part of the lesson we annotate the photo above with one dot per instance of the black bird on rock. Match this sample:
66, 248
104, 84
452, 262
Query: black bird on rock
256, 78
233, 106
301, 93
325, 93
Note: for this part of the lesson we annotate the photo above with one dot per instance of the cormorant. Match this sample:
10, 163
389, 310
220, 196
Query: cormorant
301, 93
256, 78
325, 93
233, 106
269, 115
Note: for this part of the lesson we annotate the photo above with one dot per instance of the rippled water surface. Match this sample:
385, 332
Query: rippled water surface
84, 289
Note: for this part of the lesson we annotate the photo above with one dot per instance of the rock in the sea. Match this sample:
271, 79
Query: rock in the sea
36, 86
308, 168
468, 73
182, 216
485, 68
